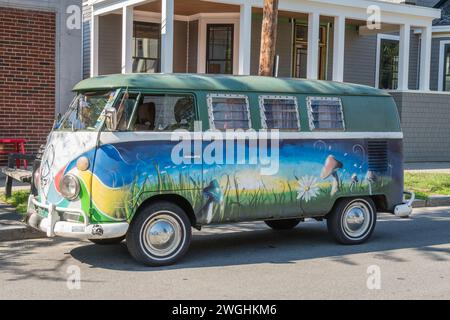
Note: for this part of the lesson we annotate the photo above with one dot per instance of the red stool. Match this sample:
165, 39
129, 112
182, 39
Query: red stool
19, 146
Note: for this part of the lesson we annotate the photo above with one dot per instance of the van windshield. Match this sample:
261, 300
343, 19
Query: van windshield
86, 111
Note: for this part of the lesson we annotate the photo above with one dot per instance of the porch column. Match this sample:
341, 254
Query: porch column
127, 39
425, 58
338, 48
94, 45
245, 37
403, 64
312, 70
167, 16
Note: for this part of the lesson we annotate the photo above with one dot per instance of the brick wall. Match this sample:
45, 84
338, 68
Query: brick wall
27, 75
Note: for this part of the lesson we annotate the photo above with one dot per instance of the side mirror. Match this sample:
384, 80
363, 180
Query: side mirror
111, 119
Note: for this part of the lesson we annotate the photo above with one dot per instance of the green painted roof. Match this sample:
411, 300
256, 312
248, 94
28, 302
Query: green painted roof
194, 82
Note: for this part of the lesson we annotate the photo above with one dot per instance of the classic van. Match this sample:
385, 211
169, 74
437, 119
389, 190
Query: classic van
148, 157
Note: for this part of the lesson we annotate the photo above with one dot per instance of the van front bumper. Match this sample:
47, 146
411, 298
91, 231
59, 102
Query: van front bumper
53, 226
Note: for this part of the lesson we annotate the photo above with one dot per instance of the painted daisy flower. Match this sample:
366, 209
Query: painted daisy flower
308, 188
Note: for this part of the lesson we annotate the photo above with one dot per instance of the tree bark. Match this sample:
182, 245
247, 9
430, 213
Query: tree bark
268, 37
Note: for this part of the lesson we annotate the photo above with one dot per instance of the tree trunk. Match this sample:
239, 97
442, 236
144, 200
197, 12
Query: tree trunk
268, 37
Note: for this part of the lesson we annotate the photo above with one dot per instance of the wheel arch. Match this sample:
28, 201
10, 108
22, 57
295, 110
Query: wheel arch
379, 201
177, 199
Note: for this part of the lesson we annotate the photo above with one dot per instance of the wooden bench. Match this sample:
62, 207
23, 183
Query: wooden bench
13, 173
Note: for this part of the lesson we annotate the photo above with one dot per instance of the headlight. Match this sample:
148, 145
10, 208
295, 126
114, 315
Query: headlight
69, 187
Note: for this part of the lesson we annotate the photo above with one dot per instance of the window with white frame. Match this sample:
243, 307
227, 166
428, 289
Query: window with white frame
228, 111
279, 112
325, 113
388, 48
444, 66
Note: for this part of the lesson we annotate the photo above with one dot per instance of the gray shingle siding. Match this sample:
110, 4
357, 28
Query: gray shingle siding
414, 62
87, 11
425, 121
360, 58
110, 44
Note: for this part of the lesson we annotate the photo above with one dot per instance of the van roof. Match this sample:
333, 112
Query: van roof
225, 83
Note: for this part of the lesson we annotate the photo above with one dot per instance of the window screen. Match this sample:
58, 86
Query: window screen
228, 112
325, 113
279, 113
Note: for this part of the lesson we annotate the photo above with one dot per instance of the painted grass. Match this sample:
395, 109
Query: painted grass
239, 203
18, 199
427, 184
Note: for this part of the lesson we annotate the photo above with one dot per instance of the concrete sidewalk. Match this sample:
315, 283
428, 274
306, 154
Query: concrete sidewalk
428, 167
12, 228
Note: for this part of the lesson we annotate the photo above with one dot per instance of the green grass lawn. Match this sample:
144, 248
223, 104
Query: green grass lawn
18, 200
427, 184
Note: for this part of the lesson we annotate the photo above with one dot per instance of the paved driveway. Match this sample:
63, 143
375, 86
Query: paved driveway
246, 261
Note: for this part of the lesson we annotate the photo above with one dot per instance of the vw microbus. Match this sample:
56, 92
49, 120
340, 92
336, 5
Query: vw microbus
148, 157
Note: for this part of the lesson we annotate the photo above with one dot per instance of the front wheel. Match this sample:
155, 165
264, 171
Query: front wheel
285, 224
159, 235
352, 221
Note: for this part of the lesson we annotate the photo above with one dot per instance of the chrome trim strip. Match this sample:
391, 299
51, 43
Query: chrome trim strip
115, 137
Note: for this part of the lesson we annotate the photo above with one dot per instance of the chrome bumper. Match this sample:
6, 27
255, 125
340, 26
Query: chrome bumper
405, 209
53, 226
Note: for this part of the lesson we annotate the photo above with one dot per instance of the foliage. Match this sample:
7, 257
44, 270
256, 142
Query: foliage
18, 199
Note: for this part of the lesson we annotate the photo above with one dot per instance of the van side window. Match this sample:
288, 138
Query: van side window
279, 112
228, 111
164, 113
325, 113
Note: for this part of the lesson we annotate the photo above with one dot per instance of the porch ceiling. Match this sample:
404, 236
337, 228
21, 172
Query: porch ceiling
191, 7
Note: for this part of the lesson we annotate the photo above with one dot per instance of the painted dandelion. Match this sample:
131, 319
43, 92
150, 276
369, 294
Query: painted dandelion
308, 188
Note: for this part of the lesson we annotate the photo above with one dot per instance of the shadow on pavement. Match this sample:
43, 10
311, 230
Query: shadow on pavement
254, 243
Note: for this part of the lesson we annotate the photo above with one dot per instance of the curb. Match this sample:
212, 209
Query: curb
432, 201
13, 230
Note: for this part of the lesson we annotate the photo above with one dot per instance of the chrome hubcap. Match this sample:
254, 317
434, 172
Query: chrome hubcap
162, 235
356, 219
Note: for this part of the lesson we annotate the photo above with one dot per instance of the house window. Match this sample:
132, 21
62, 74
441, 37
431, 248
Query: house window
146, 47
388, 63
227, 111
278, 112
219, 48
446, 68
325, 113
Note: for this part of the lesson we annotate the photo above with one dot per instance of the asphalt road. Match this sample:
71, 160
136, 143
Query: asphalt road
245, 261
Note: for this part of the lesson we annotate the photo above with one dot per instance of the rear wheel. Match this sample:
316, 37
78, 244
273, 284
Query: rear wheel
107, 241
352, 221
159, 235
284, 224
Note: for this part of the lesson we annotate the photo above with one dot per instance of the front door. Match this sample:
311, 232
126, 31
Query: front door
301, 51
219, 48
